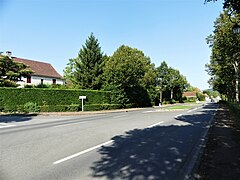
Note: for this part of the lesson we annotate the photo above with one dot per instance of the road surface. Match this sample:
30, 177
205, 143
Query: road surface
142, 144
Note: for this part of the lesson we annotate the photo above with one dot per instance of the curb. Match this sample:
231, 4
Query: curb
70, 113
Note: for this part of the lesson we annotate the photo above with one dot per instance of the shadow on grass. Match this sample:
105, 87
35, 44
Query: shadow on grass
16, 118
161, 152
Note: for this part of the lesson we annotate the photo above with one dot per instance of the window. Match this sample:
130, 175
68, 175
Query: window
28, 79
54, 81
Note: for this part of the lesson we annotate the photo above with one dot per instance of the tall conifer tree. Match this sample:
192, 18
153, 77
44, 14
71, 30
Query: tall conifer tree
87, 67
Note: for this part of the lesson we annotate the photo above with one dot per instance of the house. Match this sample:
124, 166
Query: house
190, 94
43, 73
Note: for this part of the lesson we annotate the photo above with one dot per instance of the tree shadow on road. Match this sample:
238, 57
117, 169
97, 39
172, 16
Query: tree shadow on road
16, 118
161, 152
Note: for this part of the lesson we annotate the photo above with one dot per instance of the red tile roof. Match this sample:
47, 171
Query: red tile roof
189, 94
39, 68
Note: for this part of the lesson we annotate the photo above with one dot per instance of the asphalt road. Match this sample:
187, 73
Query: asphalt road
142, 144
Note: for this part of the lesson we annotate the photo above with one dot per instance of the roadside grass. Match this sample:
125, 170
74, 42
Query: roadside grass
177, 107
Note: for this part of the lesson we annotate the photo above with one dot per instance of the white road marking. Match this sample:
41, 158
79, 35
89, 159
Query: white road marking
155, 124
82, 152
6, 126
178, 116
63, 125
147, 112
93, 148
119, 116
192, 110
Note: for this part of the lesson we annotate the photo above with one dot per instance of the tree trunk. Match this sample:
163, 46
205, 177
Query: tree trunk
160, 96
171, 93
236, 68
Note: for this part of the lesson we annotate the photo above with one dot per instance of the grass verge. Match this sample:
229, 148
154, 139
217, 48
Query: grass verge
177, 107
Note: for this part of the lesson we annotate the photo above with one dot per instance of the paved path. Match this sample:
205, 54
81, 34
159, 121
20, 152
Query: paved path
144, 144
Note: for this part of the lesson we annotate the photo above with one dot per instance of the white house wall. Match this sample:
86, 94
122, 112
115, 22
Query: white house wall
35, 80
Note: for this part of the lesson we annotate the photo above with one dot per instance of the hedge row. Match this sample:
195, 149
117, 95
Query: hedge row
235, 107
50, 100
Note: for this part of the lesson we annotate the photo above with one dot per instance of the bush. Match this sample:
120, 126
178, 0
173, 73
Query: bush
28, 86
172, 101
200, 96
235, 108
31, 107
43, 86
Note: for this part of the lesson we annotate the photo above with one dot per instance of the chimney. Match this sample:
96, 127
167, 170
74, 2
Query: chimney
9, 54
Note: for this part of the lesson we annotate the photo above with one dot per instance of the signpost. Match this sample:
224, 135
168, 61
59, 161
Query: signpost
82, 98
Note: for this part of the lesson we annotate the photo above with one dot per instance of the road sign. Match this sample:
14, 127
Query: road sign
82, 98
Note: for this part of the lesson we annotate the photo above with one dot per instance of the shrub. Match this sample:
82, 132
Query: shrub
31, 107
172, 101
43, 86
200, 96
28, 86
235, 108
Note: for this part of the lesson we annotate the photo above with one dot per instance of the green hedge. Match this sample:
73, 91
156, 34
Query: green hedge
235, 108
49, 100
98, 107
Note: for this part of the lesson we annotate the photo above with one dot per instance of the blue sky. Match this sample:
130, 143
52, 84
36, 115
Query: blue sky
54, 30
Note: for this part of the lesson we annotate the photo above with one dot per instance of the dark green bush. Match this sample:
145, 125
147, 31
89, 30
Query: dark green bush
235, 108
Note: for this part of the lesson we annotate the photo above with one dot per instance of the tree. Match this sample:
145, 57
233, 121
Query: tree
69, 71
86, 70
170, 80
130, 74
234, 5
224, 66
11, 72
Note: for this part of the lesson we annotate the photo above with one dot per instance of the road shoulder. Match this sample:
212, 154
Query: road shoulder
221, 157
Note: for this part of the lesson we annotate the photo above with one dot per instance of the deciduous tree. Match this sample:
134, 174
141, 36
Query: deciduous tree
11, 72
129, 73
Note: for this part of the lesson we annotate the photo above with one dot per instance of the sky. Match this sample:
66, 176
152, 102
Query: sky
54, 31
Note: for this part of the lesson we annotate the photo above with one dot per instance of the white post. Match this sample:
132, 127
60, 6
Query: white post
82, 104
82, 98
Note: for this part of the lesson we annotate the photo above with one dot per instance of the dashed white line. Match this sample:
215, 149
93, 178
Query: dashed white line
63, 125
177, 116
119, 116
82, 152
6, 126
93, 148
192, 110
156, 124
148, 112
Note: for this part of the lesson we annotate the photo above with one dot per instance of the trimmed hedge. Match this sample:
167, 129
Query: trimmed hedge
54, 100
98, 107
